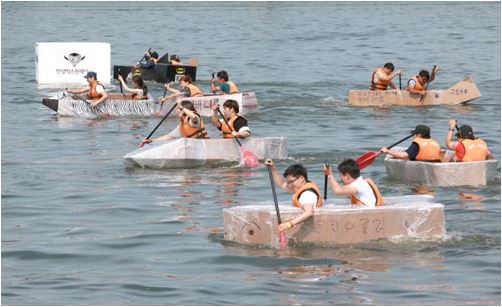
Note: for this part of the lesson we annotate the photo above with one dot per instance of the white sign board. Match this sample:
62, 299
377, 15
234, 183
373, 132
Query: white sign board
64, 62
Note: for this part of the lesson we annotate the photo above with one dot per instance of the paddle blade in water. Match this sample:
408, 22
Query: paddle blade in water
367, 159
282, 235
249, 159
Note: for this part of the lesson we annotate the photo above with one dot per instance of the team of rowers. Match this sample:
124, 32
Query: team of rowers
306, 194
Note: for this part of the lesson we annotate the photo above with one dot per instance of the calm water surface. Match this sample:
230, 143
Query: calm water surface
79, 228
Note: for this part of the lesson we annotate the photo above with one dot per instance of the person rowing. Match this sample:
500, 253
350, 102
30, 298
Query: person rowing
422, 148
467, 148
418, 84
306, 194
190, 125
225, 86
187, 90
95, 90
140, 90
382, 78
237, 124
363, 192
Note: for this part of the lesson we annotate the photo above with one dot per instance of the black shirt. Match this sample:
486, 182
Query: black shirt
413, 151
238, 124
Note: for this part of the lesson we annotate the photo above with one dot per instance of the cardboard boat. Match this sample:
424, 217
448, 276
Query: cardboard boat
462, 92
116, 105
414, 217
442, 174
186, 153
162, 72
248, 103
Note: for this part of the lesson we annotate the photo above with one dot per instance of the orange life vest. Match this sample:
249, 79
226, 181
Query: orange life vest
135, 96
233, 87
417, 86
473, 150
308, 186
92, 91
194, 91
191, 132
428, 150
380, 85
376, 192
226, 130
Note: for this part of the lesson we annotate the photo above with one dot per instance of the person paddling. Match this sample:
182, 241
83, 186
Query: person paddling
423, 148
382, 78
418, 84
306, 194
467, 148
140, 90
361, 191
191, 125
238, 124
187, 90
225, 86
96, 90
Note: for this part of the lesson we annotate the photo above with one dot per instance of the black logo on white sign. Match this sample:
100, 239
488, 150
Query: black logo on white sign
74, 58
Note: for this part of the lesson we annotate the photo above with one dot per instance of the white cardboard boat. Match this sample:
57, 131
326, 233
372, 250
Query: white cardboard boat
186, 153
116, 105
248, 103
462, 92
442, 174
414, 217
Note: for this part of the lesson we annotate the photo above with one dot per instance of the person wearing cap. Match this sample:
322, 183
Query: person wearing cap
417, 84
422, 148
96, 90
225, 86
237, 124
362, 192
382, 78
175, 60
468, 148
306, 194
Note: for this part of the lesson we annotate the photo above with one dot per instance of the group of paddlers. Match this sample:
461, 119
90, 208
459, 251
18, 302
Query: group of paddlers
381, 79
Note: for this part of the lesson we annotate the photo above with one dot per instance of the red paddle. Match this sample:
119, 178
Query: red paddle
368, 158
247, 156
282, 234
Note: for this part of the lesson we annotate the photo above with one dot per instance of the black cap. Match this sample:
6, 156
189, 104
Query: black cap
91, 74
465, 132
423, 130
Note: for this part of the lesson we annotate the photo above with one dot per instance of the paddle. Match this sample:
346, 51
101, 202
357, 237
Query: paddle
326, 183
282, 234
155, 129
144, 55
368, 158
249, 158
120, 83
399, 81
427, 85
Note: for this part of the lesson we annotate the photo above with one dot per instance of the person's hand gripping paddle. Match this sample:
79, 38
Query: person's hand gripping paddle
368, 158
247, 156
145, 141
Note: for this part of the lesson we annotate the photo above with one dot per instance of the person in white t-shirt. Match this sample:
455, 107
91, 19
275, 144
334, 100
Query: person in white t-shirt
306, 194
362, 191
96, 90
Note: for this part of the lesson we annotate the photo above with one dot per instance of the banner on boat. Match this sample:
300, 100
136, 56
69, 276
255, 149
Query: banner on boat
69, 62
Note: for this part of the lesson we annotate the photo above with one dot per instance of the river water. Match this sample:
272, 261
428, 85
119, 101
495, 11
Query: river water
79, 228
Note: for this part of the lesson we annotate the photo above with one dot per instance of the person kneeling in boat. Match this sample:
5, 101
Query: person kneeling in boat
423, 148
191, 125
468, 148
238, 124
225, 86
417, 84
140, 90
382, 77
361, 191
96, 90
187, 90
306, 194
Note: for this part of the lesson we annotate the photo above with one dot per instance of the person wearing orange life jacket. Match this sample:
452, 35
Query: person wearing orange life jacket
224, 85
361, 191
238, 124
423, 148
187, 90
140, 90
418, 84
175, 60
191, 125
96, 90
382, 78
306, 194
468, 148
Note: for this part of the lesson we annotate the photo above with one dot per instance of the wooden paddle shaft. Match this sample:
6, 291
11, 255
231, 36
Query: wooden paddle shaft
155, 129
145, 55
400, 141
427, 85
274, 194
